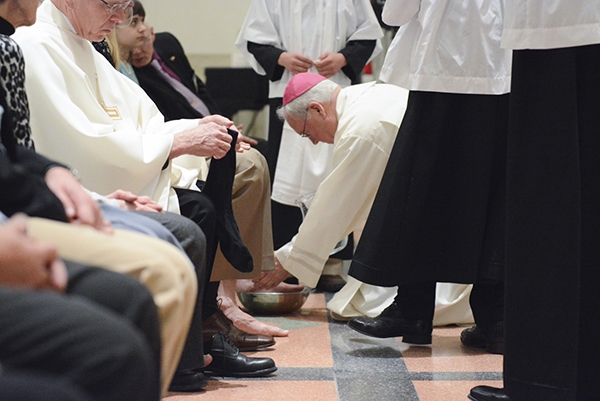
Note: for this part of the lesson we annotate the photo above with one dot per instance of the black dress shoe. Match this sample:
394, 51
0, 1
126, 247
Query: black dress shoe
489, 337
390, 323
219, 323
487, 393
187, 381
227, 361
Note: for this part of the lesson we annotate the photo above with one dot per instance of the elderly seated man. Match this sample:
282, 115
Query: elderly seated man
117, 139
362, 122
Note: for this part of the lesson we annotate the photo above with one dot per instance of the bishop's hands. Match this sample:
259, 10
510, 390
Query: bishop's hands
271, 278
26, 262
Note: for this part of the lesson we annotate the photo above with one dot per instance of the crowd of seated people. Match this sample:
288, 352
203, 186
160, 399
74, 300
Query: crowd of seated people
164, 327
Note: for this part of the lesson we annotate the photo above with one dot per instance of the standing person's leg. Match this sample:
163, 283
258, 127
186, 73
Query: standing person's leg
588, 91
543, 231
409, 316
74, 338
161, 267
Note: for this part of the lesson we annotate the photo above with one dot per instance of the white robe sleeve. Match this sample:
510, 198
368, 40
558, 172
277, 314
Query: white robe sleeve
340, 206
399, 12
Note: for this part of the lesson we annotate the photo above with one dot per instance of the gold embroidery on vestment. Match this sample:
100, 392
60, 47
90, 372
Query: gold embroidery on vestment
112, 111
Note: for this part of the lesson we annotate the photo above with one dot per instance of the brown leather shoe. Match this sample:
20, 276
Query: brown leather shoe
219, 323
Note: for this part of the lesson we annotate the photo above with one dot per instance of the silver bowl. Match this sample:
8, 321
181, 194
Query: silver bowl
273, 303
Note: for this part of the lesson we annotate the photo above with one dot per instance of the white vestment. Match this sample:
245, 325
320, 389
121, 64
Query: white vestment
89, 116
311, 28
369, 116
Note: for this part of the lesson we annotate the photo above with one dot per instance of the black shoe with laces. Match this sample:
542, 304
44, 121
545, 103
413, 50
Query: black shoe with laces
391, 323
227, 360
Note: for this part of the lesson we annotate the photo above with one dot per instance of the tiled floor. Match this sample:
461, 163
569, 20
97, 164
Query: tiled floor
323, 360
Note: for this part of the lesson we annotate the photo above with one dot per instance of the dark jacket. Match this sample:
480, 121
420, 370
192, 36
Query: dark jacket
170, 102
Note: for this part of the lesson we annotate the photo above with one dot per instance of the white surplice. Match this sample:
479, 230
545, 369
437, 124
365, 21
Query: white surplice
311, 28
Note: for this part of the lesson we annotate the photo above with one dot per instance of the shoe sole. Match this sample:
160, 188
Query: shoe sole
258, 373
417, 339
256, 347
491, 348
189, 389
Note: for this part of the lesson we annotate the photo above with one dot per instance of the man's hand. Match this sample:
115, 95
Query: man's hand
271, 278
294, 62
208, 139
26, 262
330, 64
80, 208
130, 201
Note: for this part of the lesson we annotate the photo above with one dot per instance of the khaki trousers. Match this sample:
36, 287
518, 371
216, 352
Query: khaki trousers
160, 266
251, 202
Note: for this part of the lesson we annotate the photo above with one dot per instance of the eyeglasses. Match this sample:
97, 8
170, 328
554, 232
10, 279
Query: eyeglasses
126, 8
116, 8
304, 134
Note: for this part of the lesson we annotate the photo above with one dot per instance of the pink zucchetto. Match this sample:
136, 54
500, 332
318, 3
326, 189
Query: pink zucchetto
299, 84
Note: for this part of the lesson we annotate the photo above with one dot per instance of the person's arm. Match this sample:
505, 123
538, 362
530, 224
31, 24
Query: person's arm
267, 56
78, 206
26, 262
359, 165
22, 191
357, 54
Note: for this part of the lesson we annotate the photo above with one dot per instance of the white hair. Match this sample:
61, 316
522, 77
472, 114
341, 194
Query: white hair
322, 93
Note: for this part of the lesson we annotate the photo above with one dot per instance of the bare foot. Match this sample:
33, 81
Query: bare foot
250, 286
241, 319
207, 359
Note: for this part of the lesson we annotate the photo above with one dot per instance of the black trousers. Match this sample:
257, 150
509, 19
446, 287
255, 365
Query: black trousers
19, 386
552, 320
103, 335
200, 209
193, 241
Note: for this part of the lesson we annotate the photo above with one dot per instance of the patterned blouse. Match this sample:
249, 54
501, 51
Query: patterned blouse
12, 79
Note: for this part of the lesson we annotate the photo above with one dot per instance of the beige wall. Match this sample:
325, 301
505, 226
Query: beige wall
207, 29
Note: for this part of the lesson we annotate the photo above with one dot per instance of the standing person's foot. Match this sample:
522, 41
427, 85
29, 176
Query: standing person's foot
487, 393
491, 338
219, 323
391, 323
228, 362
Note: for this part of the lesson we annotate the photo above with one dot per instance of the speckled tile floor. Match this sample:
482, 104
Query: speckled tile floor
323, 360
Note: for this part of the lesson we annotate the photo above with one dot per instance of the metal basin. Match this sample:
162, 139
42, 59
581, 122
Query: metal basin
273, 303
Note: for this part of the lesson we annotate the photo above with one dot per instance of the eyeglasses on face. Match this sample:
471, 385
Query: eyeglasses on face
304, 134
116, 8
